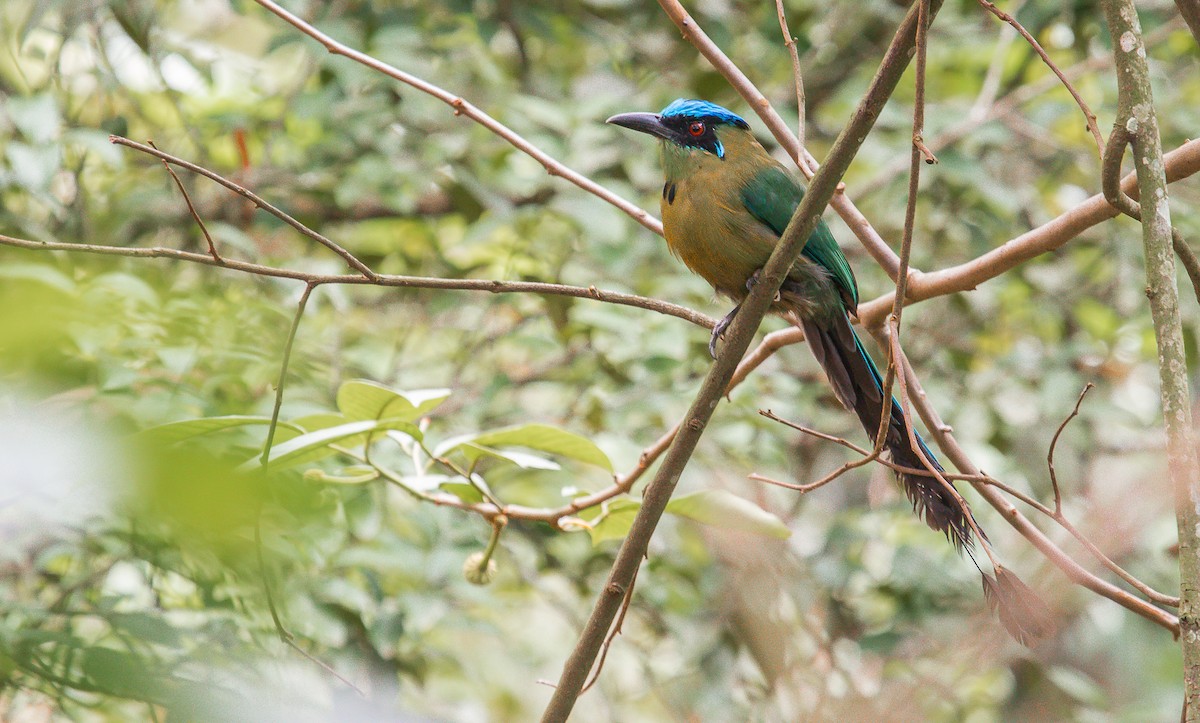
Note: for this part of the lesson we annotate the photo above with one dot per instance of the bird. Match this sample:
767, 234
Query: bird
725, 203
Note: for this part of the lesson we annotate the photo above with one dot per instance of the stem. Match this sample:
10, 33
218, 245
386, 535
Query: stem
1135, 111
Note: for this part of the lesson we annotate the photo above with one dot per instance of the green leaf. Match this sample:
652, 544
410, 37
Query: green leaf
615, 521
523, 460
465, 492
315, 445
541, 437
38, 273
353, 475
173, 432
727, 511
361, 399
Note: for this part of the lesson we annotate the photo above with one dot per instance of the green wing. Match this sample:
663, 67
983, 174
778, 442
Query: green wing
771, 196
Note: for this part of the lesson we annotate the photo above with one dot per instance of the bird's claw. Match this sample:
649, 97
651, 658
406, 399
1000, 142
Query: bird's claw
719, 331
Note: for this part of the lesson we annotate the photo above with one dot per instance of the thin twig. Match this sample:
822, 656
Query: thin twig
462, 107
244, 192
1005, 106
797, 77
284, 634
1037, 47
842, 441
212, 248
494, 286
1073, 570
1054, 443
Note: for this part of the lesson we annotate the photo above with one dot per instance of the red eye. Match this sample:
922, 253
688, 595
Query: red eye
696, 128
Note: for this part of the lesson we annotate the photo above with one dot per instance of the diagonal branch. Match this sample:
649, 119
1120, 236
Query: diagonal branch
1037, 47
464, 108
257, 200
1052, 552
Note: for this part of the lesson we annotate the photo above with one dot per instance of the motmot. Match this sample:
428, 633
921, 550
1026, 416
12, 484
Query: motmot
725, 204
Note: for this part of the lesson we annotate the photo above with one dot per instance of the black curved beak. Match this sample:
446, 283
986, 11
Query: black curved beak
643, 122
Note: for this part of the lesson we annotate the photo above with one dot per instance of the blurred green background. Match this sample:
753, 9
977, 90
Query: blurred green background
130, 587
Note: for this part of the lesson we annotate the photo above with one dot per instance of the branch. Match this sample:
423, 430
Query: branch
350, 259
1073, 570
1083, 106
790, 43
494, 286
658, 493
1135, 111
464, 108
212, 248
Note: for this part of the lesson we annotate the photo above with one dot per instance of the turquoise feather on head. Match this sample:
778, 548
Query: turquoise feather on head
703, 110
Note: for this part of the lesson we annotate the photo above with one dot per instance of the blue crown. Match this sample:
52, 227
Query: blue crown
684, 108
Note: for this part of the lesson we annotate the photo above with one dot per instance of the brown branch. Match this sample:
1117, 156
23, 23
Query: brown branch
212, 249
1073, 570
494, 286
462, 107
1180, 163
865, 457
1083, 106
1054, 514
797, 78
1054, 443
658, 492
350, 259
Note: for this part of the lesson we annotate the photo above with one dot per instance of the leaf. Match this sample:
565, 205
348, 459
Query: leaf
524, 460
353, 475
361, 399
173, 432
727, 511
38, 273
615, 521
315, 445
541, 437
463, 491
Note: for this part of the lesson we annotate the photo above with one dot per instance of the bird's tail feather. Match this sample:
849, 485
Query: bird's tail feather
857, 383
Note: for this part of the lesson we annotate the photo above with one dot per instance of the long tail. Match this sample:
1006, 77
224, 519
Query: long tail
858, 385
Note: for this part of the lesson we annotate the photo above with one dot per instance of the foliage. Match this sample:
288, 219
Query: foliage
135, 393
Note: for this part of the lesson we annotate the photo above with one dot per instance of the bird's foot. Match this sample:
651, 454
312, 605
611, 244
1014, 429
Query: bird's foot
720, 328
750, 282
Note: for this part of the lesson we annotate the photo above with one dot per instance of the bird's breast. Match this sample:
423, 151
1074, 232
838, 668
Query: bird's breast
710, 230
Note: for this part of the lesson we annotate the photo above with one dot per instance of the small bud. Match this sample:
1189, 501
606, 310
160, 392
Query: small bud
476, 572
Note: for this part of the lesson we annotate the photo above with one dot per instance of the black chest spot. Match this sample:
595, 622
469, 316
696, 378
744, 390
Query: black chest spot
669, 192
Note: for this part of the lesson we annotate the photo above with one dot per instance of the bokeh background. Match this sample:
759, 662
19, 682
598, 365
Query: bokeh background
130, 585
